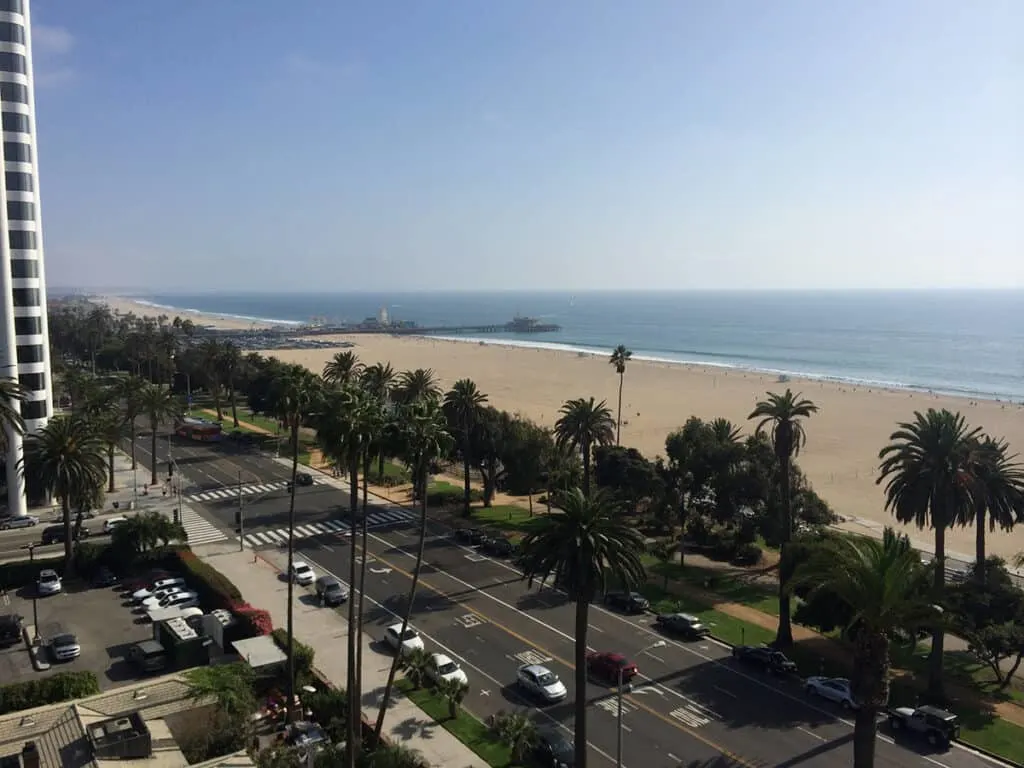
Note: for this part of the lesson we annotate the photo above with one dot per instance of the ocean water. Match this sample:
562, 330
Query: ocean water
968, 343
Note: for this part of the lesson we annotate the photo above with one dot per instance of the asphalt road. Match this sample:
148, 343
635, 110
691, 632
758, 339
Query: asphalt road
692, 705
14, 543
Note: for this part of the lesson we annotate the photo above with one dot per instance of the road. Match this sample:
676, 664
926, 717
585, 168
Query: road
14, 543
692, 705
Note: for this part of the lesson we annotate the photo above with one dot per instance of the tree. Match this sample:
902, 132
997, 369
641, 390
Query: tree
420, 384
415, 664
926, 471
157, 404
625, 472
379, 380
294, 392
11, 394
426, 437
231, 361
462, 405
129, 389
523, 455
452, 692
584, 424
620, 357
517, 731
65, 459
110, 427
230, 688
997, 493
881, 581
487, 440
784, 413
344, 368
211, 352
585, 547
145, 532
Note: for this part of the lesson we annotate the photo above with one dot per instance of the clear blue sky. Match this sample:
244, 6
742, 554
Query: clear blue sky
261, 144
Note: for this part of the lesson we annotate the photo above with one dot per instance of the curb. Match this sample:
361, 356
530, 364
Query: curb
35, 652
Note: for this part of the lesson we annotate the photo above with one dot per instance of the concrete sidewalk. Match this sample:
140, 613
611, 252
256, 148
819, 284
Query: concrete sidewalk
258, 576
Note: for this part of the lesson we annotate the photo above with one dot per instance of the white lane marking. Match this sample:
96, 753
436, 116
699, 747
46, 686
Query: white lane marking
324, 546
656, 658
673, 758
467, 663
596, 629
812, 734
730, 694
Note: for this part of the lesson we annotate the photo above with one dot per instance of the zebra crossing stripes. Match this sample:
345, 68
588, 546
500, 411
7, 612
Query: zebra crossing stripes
375, 519
230, 492
198, 530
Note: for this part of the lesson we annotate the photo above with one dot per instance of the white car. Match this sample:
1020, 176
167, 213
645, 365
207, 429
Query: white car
112, 523
302, 573
18, 521
156, 586
157, 598
441, 667
179, 600
834, 689
49, 582
411, 641
541, 682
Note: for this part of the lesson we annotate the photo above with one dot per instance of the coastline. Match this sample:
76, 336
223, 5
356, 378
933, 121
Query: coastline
142, 308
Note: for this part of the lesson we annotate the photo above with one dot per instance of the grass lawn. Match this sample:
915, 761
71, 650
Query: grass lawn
466, 728
723, 626
505, 517
731, 588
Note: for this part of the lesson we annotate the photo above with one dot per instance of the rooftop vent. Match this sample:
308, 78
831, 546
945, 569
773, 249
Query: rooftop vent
121, 738
181, 629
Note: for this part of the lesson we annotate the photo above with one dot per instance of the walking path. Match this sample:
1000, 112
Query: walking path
259, 578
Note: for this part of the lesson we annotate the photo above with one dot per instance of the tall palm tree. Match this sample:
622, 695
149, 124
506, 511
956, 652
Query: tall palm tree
343, 368
582, 426
230, 362
109, 426
427, 438
586, 548
998, 493
294, 393
379, 380
420, 384
885, 587
65, 459
784, 415
157, 403
462, 405
130, 389
11, 394
927, 475
620, 356
210, 352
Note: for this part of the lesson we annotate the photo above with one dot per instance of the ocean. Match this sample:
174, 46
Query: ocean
968, 343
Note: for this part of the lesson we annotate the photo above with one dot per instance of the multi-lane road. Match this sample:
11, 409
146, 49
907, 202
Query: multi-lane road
691, 706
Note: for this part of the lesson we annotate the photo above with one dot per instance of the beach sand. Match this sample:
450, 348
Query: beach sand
843, 439
124, 306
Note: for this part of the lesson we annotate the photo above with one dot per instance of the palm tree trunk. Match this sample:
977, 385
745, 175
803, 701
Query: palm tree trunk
936, 690
784, 637
465, 471
582, 611
865, 734
234, 403
134, 460
586, 469
353, 689
979, 545
152, 475
379, 727
110, 468
290, 687
362, 584
216, 401
618, 423
65, 508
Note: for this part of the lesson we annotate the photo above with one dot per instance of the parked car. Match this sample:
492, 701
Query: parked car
145, 582
157, 586
630, 602
148, 656
554, 750
49, 582
498, 546
54, 534
104, 577
441, 667
112, 523
331, 591
301, 573
682, 624
611, 667
936, 725
64, 647
834, 689
464, 535
411, 640
541, 682
18, 521
178, 600
766, 658
10, 629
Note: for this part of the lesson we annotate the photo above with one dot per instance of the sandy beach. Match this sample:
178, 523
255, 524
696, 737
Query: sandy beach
125, 306
843, 438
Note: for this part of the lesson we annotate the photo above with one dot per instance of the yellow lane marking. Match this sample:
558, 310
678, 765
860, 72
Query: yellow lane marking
632, 699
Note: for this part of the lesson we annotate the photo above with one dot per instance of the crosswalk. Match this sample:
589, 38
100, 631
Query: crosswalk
198, 530
374, 519
231, 492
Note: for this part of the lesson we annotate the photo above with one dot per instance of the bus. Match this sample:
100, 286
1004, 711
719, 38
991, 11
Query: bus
198, 429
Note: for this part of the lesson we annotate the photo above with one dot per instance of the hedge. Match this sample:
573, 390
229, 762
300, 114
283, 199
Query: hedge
215, 590
63, 686
303, 653
254, 621
449, 496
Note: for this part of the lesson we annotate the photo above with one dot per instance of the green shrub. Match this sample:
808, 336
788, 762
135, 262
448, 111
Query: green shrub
63, 686
303, 654
450, 496
747, 553
215, 590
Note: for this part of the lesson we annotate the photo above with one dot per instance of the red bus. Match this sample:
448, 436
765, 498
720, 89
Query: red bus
198, 429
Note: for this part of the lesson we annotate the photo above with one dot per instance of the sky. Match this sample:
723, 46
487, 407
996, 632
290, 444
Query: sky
487, 145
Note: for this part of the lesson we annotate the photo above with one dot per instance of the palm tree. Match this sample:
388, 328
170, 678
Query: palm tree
110, 428
517, 731
453, 693
885, 586
620, 356
462, 405
65, 459
210, 354
11, 393
420, 384
293, 395
415, 664
998, 492
230, 361
927, 475
157, 403
343, 368
784, 413
130, 391
427, 438
379, 379
583, 425
586, 547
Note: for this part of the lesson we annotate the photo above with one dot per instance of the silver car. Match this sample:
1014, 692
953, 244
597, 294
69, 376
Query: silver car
541, 682
18, 521
65, 647
49, 582
835, 689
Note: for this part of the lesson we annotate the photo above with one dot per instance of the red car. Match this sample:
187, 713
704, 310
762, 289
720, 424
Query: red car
609, 666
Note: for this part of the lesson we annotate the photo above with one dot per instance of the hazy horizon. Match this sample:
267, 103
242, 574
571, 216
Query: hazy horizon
583, 146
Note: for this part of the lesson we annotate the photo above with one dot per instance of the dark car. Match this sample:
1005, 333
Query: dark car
682, 624
331, 591
54, 534
498, 546
303, 479
611, 667
464, 535
146, 581
553, 750
104, 577
766, 658
10, 629
630, 602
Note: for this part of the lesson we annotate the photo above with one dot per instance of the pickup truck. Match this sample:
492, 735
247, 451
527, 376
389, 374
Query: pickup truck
938, 726
765, 657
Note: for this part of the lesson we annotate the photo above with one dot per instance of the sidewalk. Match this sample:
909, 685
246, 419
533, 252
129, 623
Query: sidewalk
325, 631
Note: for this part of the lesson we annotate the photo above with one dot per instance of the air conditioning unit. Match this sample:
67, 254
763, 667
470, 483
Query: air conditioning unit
121, 738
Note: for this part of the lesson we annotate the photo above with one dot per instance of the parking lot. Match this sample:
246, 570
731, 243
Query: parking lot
104, 624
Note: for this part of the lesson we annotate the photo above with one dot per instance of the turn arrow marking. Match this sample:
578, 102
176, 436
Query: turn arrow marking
380, 570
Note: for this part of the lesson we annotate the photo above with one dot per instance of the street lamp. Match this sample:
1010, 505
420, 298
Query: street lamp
31, 547
621, 690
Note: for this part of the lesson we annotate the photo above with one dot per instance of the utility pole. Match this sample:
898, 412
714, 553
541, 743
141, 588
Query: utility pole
241, 531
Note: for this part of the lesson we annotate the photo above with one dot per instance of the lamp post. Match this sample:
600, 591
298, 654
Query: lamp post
621, 691
31, 547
